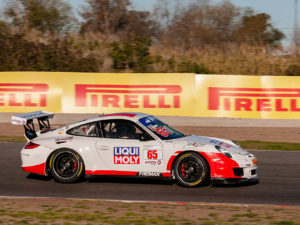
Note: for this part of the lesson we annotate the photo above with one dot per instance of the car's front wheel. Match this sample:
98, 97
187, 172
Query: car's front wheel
66, 166
191, 170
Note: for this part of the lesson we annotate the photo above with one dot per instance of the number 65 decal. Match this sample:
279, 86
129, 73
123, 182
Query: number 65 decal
152, 154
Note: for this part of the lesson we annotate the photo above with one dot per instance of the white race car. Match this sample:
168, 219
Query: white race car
131, 144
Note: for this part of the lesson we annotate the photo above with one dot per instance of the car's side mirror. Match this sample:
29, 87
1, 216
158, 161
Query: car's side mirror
144, 137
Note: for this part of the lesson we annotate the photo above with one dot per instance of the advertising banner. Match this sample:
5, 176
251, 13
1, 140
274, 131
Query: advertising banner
159, 94
30, 91
268, 97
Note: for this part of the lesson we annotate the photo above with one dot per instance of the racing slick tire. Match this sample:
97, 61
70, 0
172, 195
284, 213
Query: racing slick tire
66, 166
191, 170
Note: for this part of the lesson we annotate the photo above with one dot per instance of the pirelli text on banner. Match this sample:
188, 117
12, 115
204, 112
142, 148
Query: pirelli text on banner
127, 96
159, 94
254, 99
23, 94
248, 96
30, 91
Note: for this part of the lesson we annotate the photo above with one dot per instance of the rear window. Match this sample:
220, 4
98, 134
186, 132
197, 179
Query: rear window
87, 130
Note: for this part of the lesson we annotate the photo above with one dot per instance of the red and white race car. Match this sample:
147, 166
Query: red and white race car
132, 144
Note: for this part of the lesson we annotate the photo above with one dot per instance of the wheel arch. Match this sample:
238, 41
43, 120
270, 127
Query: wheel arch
47, 169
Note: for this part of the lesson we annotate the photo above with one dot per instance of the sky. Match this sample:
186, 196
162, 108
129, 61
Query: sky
281, 11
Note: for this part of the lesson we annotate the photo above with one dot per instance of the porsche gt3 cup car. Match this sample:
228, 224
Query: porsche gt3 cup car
132, 144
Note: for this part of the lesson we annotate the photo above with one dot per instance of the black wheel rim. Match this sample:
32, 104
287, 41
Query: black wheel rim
66, 165
190, 169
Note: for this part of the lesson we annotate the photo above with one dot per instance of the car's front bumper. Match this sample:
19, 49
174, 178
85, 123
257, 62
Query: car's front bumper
235, 180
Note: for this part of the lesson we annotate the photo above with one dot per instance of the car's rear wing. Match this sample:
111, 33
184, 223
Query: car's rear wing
26, 119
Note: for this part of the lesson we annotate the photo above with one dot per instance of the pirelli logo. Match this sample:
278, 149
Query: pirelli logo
254, 99
128, 96
23, 94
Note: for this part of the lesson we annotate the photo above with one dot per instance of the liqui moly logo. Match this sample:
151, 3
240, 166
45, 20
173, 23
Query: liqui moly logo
126, 155
127, 96
23, 94
254, 99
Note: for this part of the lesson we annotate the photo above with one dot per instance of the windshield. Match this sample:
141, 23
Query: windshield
164, 131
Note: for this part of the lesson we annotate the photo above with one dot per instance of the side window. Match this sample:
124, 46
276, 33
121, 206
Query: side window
121, 129
88, 130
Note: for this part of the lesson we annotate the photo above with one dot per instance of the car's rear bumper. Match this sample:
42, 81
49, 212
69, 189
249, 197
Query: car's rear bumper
34, 160
37, 169
234, 180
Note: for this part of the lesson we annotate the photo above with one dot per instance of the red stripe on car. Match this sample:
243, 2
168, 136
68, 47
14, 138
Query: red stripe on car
170, 162
110, 172
166, 174
38, 169
220, 165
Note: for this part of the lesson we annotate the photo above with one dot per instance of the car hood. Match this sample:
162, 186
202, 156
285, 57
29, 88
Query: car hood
198, 142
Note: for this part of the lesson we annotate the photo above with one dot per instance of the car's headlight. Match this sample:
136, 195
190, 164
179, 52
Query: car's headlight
223, 151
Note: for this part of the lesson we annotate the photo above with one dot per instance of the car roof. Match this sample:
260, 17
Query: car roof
134, 116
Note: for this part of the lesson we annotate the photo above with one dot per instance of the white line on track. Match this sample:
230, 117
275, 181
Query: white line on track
151, 202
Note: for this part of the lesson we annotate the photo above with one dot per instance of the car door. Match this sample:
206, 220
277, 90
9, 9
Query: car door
125, 146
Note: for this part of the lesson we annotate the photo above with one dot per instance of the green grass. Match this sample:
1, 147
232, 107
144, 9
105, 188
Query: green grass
285, 146
182, 215
12, 139
286, 223
248, 215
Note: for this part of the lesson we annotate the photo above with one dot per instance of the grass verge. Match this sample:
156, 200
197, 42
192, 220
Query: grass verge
71, 211
284, 146
12, 139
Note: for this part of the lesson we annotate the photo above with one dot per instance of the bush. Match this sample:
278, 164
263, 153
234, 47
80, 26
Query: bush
19, 54
189, 67
132, 54
293, 70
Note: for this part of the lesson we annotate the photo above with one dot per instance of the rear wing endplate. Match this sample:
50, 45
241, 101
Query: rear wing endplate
26, 119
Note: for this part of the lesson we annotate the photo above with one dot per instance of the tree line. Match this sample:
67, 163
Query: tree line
111, 35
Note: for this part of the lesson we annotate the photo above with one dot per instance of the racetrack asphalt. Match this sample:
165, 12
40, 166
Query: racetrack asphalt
279, 173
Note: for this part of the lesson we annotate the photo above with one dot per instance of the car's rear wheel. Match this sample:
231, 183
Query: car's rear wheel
191, 170
66, 166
